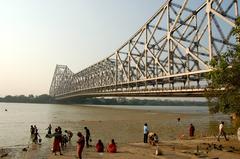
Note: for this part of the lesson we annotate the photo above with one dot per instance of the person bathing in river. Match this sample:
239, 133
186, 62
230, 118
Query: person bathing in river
35, 137
69, 134
49, 131
32, 130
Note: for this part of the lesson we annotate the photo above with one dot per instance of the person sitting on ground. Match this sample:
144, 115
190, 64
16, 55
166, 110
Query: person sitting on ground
99, 146
69, 134
155, 138
112, 147
152, 138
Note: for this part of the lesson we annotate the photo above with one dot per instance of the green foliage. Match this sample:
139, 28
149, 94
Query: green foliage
224, 81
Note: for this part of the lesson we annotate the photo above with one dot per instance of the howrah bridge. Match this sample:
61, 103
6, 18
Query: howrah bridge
168, 56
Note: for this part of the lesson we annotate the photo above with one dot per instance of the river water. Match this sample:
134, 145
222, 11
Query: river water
15, 122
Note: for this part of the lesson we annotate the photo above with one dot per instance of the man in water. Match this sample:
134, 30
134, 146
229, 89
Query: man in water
32, 130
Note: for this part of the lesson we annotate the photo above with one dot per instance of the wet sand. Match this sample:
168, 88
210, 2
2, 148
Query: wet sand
126, 127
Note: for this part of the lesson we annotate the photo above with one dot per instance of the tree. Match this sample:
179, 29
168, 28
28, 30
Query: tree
223, 93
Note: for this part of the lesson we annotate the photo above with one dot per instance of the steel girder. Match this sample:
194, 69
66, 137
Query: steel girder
171, 51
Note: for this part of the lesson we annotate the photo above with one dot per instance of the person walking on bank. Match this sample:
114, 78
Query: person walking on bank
87, 136
221, 131
145, 133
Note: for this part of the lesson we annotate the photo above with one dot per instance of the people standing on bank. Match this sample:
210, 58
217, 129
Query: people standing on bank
221, 131
80, 144
191, 130
87, 136
145, 133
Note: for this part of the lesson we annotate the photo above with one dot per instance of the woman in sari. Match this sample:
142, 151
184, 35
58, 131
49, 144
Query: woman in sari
56, 142
112, 147
99, 146
80, 144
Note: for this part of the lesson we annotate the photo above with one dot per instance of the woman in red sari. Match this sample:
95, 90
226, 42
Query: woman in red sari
80, 144
112, 147
99, 146
56, 142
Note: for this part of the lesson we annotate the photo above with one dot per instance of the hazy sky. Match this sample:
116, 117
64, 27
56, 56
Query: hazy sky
35, 35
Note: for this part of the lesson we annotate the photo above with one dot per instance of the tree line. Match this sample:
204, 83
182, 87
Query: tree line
44, 98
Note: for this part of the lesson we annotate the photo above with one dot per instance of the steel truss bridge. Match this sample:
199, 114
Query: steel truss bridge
167, 56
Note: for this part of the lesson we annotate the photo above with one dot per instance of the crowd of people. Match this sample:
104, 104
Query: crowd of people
36, 138
61, 139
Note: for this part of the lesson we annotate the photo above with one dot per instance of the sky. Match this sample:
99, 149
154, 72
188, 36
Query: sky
35, 35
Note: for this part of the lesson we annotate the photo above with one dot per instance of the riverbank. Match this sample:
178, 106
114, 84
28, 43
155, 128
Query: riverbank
126, 127
207, 147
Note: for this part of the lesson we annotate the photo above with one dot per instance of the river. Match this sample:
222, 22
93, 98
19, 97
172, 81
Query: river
15, 122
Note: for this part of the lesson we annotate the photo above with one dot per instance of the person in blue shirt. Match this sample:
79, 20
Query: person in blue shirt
145, 133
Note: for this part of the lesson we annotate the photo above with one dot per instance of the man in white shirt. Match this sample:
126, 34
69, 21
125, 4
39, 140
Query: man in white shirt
145, 133
221, 131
